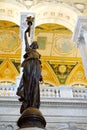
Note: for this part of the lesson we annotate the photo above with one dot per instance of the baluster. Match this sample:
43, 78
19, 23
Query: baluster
53, 93
7, 90
12, 94
49, 92
41, 92
45, 91
2, 92
57, 92
15, 90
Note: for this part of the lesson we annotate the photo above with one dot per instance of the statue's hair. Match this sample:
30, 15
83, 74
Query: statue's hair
34, 45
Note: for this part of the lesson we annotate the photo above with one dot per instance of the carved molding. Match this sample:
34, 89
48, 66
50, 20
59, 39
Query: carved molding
47, 102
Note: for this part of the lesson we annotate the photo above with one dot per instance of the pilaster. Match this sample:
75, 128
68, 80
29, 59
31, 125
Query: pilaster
80, 37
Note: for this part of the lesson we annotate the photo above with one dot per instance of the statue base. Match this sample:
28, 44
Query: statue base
31, 118
31, 128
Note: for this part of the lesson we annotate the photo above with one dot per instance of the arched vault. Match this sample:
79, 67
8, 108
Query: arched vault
60, 13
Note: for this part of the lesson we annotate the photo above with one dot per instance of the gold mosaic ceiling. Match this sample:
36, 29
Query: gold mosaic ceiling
51, 28
9, 38
61, 62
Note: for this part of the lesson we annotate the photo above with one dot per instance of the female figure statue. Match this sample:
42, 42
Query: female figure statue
28, 89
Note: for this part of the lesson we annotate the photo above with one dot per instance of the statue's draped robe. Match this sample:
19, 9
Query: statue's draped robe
29, 85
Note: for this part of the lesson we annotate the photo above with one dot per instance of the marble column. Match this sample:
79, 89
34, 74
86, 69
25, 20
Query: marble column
81, 44
84, 33
80, 37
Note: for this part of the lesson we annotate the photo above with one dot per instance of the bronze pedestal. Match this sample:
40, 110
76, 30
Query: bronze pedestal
31, 117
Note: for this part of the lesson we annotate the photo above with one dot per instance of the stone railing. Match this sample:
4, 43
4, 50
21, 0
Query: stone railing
79, 92
48, 92
63, 92
7, 90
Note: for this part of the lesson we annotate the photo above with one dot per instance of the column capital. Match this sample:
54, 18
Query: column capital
80, 28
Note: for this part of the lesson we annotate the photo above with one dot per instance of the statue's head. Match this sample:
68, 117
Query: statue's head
34, 45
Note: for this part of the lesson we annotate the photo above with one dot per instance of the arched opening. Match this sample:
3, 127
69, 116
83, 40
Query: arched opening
10, 51
55, 13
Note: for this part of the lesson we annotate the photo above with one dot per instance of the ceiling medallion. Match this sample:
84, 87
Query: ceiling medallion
9, 41
64, 45
62, 68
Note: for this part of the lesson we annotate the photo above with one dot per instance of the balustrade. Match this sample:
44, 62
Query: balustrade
7, 90
79, 92
49, 92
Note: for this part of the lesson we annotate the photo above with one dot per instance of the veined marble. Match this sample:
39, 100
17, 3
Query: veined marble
65, 113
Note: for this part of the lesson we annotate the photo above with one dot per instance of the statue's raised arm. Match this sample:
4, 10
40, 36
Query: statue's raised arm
26, 40
27, 32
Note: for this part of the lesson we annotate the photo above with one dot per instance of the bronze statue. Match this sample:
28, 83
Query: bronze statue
28, 89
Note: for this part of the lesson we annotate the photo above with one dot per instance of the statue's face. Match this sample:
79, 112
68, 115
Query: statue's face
29, 22
34, 45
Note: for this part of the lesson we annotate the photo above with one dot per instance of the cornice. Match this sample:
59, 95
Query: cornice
47, 102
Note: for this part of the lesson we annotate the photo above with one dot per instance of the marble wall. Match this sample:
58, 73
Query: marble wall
60, 113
